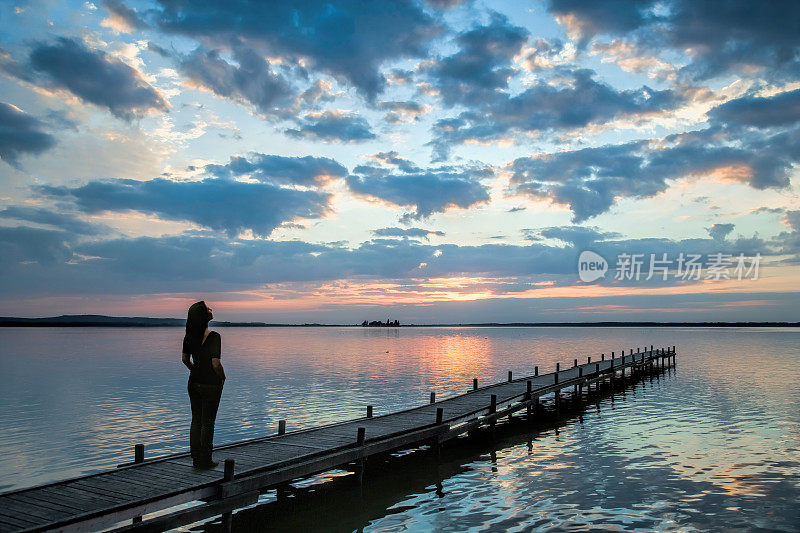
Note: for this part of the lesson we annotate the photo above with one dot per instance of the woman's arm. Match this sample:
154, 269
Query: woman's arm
216, 364
186, 360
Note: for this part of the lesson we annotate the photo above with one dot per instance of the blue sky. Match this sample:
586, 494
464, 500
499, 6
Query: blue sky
436, 161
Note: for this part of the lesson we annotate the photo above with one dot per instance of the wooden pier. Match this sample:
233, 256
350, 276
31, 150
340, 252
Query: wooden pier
121, 497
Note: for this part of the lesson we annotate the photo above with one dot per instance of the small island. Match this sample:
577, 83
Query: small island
379, 324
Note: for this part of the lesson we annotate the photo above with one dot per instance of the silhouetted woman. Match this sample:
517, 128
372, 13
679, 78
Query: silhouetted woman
201, 354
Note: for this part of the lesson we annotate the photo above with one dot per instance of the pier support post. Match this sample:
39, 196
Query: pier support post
433, 397
281, 427
528, 408
369, 411
493, 410
536, 371
474, 383
509, 376
227, 518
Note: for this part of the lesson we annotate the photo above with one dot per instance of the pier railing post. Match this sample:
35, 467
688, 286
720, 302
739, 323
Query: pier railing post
369, 411
439, 415
138, 453
474, 383
138, 457
433, 397
227, 518
360, 434
536, 371
281, 427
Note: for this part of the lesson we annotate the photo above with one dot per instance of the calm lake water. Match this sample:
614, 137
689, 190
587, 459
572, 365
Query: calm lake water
713, 445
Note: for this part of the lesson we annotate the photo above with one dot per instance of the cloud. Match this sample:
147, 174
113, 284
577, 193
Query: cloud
347, 39
251, 80
399, 111
579, 236
21, 134
219, 204
122, 18
335, 126
280, 170
63, 221
483, 63
417, 233
719, 232
543, 106
20, 245
428, 191
91, 75
52, 263
736, 36
590, 180
779, 110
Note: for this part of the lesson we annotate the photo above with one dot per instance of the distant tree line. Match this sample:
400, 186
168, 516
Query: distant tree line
378, 323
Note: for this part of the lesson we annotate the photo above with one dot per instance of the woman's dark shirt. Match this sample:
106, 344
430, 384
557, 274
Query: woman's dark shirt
202, 371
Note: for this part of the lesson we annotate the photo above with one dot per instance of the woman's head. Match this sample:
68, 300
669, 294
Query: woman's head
198, 318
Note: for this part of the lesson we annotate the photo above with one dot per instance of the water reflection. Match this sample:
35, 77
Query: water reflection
713, 445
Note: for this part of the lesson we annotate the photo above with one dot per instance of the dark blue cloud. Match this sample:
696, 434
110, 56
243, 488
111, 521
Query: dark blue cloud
20, 244
333, 126
94, 77
218, 204
590, 180
720, 231
414, 233
425, 191
346, 38
279, 169
723, 37
53, 263
780, 110
483, 63
545, 107
21, 134
63, 221
251, 80
128, 16
579, 236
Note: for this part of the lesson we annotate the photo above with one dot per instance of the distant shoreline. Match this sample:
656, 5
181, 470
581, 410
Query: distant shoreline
110, 321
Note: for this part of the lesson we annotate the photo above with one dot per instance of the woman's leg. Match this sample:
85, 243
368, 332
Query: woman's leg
197, 417
211, 398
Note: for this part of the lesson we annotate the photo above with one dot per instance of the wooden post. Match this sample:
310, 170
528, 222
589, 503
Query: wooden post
474, 383
138, 457
530, 388
597, 368
227, 518
536, 371
575, 363
361, 432
558, 367
369, 411
281, 427
589, 360
509, 375
555, 376
602, 357
493, 403
433, 397
439, 415
528, 408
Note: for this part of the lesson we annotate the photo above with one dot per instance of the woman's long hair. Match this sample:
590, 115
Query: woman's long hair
196, 324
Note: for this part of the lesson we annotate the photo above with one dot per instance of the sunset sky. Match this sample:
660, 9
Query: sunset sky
434, 162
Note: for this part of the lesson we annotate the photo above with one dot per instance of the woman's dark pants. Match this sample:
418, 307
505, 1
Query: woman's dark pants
205, 401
